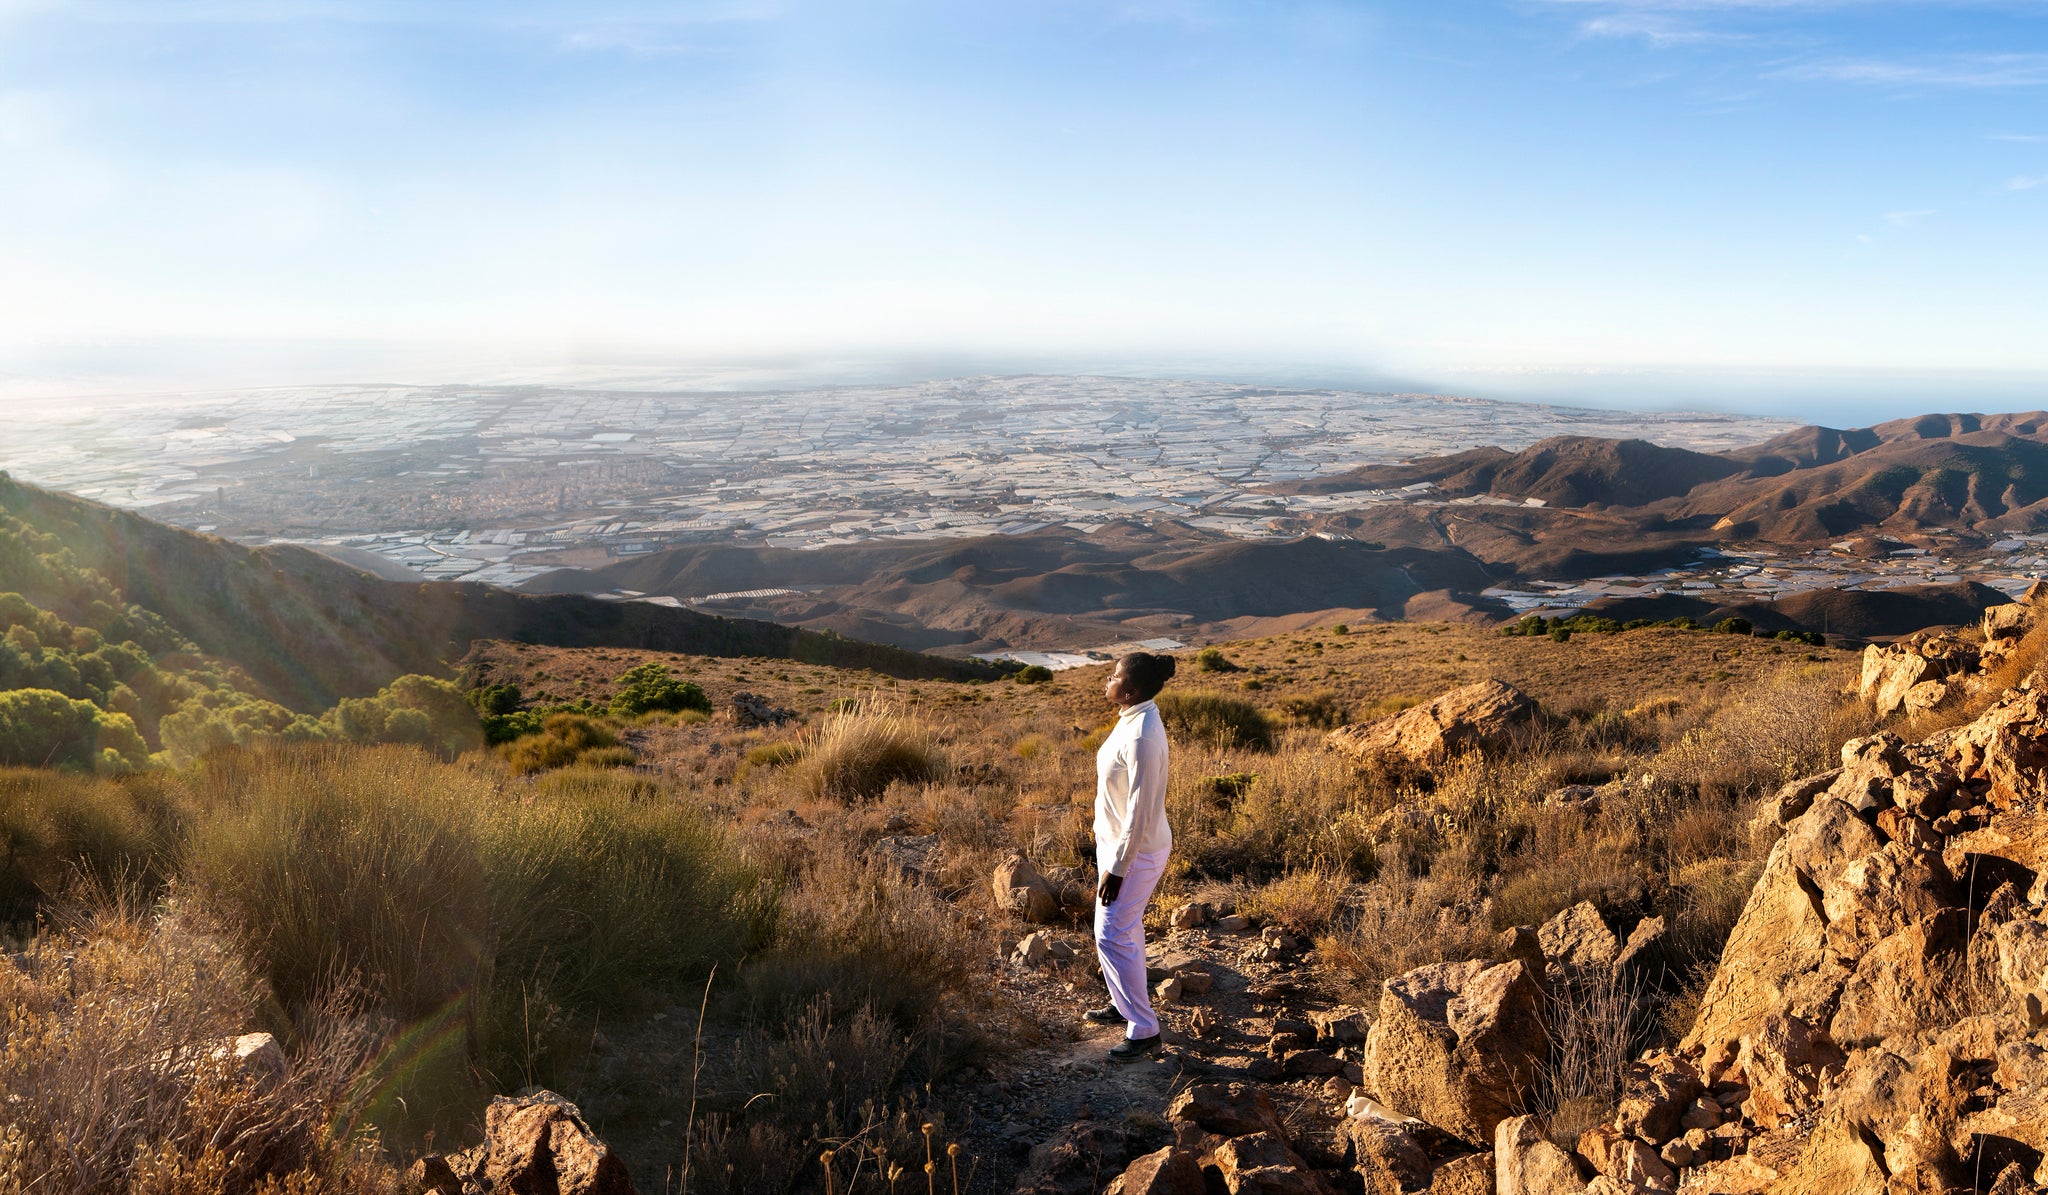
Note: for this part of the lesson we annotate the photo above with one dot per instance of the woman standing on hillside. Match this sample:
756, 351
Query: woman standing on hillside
1132, 841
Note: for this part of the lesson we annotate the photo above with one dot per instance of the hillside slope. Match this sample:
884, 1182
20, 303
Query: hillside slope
308, 630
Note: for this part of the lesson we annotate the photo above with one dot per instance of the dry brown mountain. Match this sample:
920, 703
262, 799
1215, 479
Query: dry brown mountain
1968, 472
1054, 587
1603, 506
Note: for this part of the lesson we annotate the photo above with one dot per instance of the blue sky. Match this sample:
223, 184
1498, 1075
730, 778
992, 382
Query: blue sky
1770, 204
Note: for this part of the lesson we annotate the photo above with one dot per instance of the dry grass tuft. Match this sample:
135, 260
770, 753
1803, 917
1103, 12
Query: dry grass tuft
1304, 902
862, 750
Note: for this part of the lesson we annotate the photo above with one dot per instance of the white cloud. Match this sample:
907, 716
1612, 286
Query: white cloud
1963, 70
2022, 138
1905, 219
1656, 29
2026, 182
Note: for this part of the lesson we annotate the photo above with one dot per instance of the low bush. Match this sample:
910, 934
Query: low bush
1032, 674
1323, 710
1211, 659
564, 740
1216, 720
650, 688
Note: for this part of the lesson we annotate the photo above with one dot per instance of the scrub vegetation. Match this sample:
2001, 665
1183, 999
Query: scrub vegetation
540, 873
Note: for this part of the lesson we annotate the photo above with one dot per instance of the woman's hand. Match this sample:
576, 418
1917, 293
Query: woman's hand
1106, 891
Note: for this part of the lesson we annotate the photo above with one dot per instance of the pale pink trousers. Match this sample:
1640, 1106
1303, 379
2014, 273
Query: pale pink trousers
1120, 943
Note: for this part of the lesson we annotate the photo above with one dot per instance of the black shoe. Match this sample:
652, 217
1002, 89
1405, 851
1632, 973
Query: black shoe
1133, 1048
1104, 1016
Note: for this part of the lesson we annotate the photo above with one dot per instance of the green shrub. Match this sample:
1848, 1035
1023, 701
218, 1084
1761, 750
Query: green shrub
1032, 674
1231, 786
1216, 720
1561, 634
1341, 629
44, 728
503, 728
650, 688
1734, 626
564, 739
494, 699
1211, 659
419, 711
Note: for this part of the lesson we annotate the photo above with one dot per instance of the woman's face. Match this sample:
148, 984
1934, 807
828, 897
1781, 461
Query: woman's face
1118, 687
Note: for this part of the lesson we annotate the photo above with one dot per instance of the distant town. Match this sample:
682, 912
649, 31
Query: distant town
500, 484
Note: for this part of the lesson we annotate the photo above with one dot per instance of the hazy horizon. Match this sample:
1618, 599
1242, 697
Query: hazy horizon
1833, 397
1829, 207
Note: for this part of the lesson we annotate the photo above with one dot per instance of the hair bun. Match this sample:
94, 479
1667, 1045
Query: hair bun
1172, 665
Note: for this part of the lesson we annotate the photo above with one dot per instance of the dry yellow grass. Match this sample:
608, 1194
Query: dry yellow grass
115, 1056
769, 832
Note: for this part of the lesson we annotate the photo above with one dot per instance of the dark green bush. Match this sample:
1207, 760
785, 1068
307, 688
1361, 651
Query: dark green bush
649, 689
1734, 626
1217, 720
1032, 674
1211, 659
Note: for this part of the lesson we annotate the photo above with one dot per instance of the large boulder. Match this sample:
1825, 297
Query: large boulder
1889, 673
2010, 621
1019, 888
1389, 1157
1903, 983
1655, 1093
1264, 1164
1479, 717
1578, 939
539, 1144
1525, 1162
1175, 1170
1626, 1161
1458, 1044
1226, 1109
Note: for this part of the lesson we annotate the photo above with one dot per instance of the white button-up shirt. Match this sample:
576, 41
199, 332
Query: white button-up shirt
1130, 790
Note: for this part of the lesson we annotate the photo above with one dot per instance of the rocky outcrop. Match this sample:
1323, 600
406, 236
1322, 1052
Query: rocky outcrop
1457, 1044
1919, 672
538, 1144
1479, 717
1876, 1020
